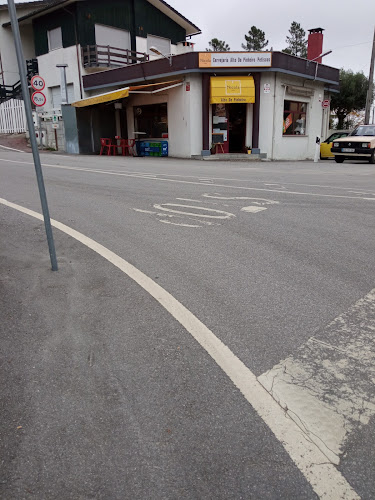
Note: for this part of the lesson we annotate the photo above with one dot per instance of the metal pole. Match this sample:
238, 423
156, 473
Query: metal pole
57, 145
63, 86
370, 84
30, 124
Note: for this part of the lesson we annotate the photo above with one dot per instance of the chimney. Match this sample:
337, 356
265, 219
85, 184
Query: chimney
315, 44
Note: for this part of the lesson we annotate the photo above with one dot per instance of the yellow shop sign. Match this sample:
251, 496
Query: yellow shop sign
232, 90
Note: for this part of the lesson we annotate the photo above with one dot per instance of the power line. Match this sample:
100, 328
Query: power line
353, 45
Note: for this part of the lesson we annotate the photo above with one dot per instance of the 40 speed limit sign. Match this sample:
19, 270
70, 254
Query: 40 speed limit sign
37, 82
38, 98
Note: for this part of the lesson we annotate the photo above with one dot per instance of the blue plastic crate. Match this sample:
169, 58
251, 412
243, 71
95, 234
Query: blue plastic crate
164, 148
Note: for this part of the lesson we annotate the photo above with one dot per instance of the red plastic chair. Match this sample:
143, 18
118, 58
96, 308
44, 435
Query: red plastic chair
127, 147
105, 146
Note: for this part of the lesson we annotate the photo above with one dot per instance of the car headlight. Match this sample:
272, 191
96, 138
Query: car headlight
366, 145
336, 145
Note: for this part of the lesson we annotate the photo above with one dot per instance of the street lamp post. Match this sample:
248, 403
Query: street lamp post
157, 51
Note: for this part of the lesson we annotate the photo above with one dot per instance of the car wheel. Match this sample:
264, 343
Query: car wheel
339, 159
372, 158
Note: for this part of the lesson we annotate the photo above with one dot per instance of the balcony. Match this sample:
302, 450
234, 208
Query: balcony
99, 56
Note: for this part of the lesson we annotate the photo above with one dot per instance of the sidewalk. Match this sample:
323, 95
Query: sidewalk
15, 141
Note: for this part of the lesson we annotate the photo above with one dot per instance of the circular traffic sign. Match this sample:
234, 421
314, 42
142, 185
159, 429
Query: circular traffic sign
325, 103
38, 98
37, 82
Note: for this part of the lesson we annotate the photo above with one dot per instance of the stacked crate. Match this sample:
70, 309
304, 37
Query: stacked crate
153, 148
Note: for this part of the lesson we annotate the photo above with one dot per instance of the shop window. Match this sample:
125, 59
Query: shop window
54, 39
294, 122
151, 121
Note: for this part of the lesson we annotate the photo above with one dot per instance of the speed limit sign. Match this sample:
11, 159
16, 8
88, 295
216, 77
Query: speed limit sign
38, 98
37, 82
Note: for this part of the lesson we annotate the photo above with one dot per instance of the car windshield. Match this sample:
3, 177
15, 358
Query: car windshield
364, 130
335, 136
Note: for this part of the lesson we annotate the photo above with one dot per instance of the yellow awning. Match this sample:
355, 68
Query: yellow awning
232, 89
107, 97
124, 92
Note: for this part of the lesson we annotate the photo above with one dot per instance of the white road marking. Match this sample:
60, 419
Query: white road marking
12, 149
222, 214
189, 199
327, 387
158, 179
178, 223
325, 479
252, 209
276, 185
256, 201
323, 186
144, 211
203, 201
168, 215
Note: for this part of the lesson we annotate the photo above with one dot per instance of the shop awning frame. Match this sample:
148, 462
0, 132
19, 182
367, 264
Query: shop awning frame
124, 92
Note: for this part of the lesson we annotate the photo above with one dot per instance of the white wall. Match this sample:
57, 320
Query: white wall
196, 128
51, 74
249, 125
184, 115
271, 139
7, 50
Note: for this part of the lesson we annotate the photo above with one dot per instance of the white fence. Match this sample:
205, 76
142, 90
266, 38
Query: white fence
12, 117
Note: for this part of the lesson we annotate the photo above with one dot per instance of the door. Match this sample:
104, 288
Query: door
237, 127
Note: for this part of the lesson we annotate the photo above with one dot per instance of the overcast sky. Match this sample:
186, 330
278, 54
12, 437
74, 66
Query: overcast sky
349, 25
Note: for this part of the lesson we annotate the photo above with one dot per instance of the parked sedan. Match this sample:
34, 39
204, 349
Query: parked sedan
325, 147
358, 145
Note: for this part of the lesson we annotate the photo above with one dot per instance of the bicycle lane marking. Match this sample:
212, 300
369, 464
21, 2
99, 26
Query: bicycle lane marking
319, 471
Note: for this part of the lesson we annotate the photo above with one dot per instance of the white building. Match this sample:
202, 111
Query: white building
269, 102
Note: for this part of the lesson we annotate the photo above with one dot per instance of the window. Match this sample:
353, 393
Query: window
151, 121
294, 122
54, 39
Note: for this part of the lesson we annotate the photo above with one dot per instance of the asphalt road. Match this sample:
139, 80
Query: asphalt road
107, 395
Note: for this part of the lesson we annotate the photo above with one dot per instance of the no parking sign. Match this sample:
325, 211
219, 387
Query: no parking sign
38, 98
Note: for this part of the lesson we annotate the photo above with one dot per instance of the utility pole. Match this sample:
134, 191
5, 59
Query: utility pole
370, 84
30, 124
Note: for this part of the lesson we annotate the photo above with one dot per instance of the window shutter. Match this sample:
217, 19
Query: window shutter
55, 39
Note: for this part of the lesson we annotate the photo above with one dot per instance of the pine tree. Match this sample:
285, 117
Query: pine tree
255, 40
352, 95
297, 43
216, 45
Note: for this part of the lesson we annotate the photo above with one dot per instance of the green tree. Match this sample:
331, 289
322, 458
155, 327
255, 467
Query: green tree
216, 45
255, 39
297, 43
352, 95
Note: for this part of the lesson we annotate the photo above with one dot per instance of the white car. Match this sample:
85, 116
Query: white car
359, 144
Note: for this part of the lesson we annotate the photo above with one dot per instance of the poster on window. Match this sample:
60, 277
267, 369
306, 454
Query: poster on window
287, 122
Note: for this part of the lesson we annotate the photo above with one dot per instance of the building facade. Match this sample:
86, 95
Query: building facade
131, 72
88, 36
271, 103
